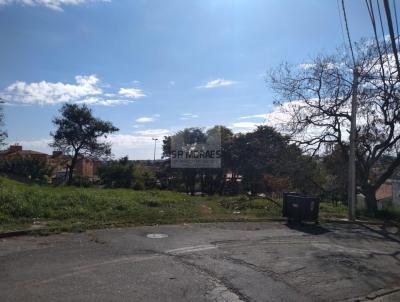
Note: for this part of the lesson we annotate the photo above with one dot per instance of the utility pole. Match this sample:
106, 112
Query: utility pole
155, 145
352, 157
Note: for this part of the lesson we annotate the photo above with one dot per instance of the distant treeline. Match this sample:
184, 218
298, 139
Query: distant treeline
261, 161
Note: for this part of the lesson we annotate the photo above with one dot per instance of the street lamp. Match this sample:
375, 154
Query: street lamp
155, 145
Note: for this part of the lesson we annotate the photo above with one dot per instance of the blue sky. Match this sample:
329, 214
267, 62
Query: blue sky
154, 67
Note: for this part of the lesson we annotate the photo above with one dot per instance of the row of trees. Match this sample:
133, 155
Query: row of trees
261, 161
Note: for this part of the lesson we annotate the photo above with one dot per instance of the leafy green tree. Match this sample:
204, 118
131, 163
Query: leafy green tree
79, 133
268, 161
185, 176
143, 177
257, 153
117, 174
336, 178
27, 167
214, 180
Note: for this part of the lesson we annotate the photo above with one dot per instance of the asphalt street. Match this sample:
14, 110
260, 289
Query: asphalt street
205, 262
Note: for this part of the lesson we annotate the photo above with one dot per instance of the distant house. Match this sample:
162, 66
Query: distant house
388, 194
16, 150
58, 161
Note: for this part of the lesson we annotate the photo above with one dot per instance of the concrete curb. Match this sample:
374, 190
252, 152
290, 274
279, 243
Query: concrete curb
23, 232
343, 221
36, 231
375, 295
13, 233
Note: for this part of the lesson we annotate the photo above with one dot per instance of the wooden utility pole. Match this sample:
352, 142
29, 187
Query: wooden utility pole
352, 157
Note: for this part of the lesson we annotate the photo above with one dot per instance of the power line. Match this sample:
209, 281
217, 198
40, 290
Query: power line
397, 24
372, 17
383, 35
341, 23
391, 32
380, 20
348, 32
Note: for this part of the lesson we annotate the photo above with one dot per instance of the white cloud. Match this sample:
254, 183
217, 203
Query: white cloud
139, 144
52, 93
244, 126
154, 132
51, 4
276, 118
138, 138
147, 119
134, 93
187, 116
217, 83
130, 141
85, 90
104, 102
263, 116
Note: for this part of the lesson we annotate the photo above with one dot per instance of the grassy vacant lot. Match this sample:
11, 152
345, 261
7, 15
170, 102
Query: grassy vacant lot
76, 209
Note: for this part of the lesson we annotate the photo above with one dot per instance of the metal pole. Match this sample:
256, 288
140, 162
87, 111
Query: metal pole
155, 145
352, 156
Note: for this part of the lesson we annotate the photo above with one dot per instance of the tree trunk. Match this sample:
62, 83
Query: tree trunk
370, 199
71, 169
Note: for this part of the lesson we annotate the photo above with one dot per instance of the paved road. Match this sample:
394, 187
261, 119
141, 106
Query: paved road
204, 262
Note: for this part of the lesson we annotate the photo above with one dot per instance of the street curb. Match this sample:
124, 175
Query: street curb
13, 234
376, 294
36, 231
352, 222
383, 292
23, 232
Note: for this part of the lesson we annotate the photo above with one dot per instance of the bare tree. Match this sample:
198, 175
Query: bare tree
317, 99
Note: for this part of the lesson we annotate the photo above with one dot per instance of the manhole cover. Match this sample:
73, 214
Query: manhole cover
156, 236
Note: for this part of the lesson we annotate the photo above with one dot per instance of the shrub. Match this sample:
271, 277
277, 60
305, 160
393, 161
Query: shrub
81, 181
143, 178
26, 166
117, 174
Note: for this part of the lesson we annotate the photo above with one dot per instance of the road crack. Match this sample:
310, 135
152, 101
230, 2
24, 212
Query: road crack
223, 291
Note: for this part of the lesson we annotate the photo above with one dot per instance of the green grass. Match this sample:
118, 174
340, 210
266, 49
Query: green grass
78, 209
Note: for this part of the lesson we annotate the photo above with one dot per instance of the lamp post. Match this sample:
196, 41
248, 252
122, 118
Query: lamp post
155, 145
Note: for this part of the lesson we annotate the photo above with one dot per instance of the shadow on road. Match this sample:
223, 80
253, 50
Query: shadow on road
382, 231
311, 229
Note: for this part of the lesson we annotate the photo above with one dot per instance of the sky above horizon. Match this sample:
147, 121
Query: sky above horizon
156, 67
